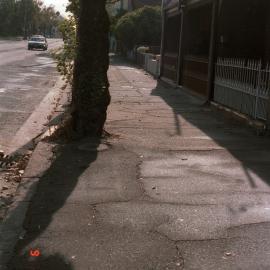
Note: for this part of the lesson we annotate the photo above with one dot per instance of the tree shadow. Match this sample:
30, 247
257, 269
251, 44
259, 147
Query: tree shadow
51, 262
53, 190
251, 150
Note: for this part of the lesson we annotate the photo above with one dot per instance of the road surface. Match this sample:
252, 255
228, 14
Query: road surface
26, 77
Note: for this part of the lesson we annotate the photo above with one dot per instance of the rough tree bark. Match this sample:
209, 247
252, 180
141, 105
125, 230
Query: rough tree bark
91, 97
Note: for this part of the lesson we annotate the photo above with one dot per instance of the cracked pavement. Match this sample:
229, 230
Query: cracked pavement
176, 186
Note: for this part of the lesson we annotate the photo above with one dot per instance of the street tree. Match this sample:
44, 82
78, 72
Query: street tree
91, 97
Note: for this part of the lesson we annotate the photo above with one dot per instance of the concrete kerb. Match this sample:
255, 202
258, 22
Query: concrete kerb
258, 126
35, 124
12, 227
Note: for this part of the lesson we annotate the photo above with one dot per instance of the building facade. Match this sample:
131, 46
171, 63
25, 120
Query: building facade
220, 50
114, 8
130, 5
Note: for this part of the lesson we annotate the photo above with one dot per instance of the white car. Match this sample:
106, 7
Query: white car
37, 42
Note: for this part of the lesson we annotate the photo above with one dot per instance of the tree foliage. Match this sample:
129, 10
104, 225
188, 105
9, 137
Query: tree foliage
27, 17
66, 55
74, 8
139, 27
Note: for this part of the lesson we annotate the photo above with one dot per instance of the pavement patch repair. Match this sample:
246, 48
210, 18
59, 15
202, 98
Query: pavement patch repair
173, 185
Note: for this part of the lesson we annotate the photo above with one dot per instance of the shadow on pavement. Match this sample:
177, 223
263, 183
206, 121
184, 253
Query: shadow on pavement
52, 192
55, 261
252, 151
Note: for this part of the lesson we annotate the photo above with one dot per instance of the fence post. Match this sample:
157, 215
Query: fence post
212, 50
181, 43
258, 89
162, 40
158, 68
268, 114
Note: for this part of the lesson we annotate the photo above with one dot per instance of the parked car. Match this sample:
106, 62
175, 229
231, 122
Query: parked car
37, 42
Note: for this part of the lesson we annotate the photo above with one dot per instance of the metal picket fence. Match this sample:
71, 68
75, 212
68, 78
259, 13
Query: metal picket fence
243, 85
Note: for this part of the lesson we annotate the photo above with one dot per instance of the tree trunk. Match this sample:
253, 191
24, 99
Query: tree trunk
91, 96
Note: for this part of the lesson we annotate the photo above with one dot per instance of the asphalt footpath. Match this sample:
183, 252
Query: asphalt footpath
175, 186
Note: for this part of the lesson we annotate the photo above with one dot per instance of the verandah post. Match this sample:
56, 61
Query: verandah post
268, 114
162, 41
181, 42
212, 50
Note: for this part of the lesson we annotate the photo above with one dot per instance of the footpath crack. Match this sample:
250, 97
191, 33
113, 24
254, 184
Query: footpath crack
179, 259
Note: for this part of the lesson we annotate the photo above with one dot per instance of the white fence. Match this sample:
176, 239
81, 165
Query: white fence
243, 85
149, 62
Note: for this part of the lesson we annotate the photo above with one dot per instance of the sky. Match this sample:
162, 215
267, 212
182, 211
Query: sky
60, 5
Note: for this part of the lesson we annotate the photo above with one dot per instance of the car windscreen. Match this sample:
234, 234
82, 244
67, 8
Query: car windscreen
37, 39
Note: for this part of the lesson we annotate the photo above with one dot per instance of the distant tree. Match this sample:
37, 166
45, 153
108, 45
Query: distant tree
26, 17
139, 27
48, 20
114, 19
7, 15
